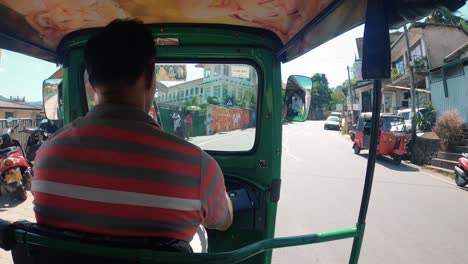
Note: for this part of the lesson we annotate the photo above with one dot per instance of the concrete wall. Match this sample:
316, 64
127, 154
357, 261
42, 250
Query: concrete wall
441, 41
436, 39
457, 95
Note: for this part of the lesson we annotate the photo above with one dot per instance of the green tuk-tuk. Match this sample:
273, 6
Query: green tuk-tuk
225, 58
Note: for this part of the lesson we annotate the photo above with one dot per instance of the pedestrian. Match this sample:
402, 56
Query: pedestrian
188, 125
177, 126
209, 120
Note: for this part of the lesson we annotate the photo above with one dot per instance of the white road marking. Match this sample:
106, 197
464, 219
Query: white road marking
438, 178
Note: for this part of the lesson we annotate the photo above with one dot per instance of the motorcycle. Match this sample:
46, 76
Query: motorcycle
36, 138
461, 171
15, 172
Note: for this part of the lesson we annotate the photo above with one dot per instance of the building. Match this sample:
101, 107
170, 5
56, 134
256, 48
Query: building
427, 51
218, 82
363, 92
449, 83
19, 110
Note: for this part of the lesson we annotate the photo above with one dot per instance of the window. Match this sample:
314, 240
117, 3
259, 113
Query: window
417, 50
225, 90
400, 65
216, 90
9, 114
217, 70
213, 117
186, 92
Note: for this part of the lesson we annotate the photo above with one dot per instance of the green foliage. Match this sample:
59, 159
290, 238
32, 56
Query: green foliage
320, 95
337, 97
445, 16
213, 100
449, 128
428, 119
194, 101
395, 74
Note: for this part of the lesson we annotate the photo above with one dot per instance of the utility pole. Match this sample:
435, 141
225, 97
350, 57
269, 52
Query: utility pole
413, 91
351, 97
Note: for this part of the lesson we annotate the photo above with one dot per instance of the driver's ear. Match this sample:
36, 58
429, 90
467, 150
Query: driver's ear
149, 76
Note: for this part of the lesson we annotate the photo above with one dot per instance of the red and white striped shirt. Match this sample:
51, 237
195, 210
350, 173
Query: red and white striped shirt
115, 172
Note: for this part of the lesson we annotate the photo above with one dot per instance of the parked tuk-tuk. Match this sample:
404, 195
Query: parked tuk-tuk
392, 136
240, 45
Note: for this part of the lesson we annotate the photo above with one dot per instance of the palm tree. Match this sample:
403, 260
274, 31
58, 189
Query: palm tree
445, 16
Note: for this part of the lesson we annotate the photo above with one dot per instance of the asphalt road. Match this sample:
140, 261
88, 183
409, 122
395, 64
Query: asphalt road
413, 217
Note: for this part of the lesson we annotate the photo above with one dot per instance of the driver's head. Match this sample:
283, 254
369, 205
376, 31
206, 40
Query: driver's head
120, 63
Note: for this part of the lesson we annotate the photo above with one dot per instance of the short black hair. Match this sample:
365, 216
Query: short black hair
119, 53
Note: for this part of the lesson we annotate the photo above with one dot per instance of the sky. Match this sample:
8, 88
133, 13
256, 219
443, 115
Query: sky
23, 76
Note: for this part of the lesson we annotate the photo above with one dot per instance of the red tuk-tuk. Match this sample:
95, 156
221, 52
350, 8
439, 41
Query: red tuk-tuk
392, 137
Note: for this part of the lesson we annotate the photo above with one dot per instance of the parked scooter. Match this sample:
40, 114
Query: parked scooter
461, 171
15, 172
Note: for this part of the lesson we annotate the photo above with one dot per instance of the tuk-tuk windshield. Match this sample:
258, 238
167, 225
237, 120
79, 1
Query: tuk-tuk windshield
393, 124
211, 105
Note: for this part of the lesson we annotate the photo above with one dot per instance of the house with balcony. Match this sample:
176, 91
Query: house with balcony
429, 44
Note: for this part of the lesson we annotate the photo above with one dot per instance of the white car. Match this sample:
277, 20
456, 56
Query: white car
406, 114
337, 114
332, 122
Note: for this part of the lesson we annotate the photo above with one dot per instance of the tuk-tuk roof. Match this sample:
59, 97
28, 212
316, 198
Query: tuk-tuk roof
36, 28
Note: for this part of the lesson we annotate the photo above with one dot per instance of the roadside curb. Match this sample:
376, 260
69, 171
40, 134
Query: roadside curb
439, 176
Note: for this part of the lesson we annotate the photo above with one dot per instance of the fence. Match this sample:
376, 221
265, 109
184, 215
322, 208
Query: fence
198, 121
22, 123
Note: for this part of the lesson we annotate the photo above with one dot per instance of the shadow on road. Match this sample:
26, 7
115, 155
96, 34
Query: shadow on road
8, 201
388, 163
463, 188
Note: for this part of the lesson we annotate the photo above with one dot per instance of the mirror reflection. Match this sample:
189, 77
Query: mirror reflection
297, 98
51, 92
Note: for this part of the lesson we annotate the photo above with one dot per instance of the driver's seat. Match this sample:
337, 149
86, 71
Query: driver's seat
34, 254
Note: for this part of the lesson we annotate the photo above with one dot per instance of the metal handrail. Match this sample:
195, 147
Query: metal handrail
152, 256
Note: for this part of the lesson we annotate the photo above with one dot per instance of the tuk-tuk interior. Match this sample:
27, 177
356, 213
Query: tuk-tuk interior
210, 33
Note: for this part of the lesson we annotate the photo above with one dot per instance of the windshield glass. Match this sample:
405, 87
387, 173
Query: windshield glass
213, 106
393, 124
406, 115
333, 119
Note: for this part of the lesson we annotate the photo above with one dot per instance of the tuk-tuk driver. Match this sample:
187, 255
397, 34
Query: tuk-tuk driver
114, 171
297, 104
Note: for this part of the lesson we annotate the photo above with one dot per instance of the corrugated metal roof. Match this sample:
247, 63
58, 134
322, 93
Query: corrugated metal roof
16, 105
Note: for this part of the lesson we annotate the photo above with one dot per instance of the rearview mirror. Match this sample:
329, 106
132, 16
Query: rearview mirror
52, 98
296, 101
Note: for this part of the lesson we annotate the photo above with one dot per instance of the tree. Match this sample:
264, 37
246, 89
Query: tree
320, 95
337, 97
447, 17
194, 101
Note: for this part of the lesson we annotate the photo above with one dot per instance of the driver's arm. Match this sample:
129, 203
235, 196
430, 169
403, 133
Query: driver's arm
217, 210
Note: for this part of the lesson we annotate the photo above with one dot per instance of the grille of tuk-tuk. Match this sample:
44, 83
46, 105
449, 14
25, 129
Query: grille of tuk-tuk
397, 143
